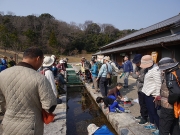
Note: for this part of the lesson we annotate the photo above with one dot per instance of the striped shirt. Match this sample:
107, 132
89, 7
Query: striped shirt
152, 82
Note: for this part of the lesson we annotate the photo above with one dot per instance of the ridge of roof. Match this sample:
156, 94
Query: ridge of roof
158, 25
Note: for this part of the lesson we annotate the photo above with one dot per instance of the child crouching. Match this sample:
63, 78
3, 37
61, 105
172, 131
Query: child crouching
115, 92
112, 104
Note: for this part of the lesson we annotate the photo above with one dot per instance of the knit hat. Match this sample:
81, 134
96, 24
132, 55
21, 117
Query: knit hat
146, 61
137, 58
91, 129
167, 63
48, 61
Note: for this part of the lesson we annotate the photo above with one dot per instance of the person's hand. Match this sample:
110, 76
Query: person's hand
97, 79
118, 98
137, 73
107, 112
156, 98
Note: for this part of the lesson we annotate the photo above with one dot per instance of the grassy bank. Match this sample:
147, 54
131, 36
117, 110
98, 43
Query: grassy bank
76, 58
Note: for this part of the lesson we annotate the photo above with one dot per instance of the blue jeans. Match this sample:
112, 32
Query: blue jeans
126, 75
115, 105
112, 97
103, 86
152, 111
61, 79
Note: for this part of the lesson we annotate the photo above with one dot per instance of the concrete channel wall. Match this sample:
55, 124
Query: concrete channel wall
58, 127
123, 123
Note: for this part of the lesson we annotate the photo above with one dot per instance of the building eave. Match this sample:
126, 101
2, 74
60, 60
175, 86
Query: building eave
167, 39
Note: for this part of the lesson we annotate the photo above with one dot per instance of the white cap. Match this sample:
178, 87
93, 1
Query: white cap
61, 61
91, 129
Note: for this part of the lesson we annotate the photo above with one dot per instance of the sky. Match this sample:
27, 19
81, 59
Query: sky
122, 14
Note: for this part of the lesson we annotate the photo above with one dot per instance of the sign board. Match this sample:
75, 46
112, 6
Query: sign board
154, 56
122, 54
100, 57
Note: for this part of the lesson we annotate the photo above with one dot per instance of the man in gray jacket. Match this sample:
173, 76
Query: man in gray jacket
26, 93
139, 74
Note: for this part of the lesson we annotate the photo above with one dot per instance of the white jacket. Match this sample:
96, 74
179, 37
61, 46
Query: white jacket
114, 67
152, 82
49, 75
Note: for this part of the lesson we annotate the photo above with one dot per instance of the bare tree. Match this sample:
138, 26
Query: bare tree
103, 27
85, 25
10, 13
75, 51
2, 13
83, 52
80, 26
61, 50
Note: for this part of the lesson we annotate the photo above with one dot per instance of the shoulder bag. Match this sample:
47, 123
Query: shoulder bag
108, 74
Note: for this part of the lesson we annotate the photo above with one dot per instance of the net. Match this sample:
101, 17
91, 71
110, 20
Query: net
73, 78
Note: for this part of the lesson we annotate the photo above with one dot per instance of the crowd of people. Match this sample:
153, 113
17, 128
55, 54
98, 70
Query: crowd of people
32, 87
5, 62
158, 87
55, 72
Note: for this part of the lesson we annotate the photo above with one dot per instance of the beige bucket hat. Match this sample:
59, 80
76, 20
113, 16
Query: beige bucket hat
48, 61
146, 61
106, 58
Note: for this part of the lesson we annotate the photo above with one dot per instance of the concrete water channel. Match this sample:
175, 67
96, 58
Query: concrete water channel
81, 108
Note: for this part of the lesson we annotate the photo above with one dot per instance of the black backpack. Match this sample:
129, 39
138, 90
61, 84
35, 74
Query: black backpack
87, 65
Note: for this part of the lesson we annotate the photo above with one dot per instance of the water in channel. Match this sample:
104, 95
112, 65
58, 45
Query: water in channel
82, 111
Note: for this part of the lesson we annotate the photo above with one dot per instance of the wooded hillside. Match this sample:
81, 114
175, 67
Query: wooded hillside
55, 36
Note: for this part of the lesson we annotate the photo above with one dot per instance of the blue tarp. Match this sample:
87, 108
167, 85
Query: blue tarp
103, 130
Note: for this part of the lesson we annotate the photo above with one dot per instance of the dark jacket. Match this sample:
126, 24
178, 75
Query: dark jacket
65, 65
11, 63
114, 92
2, 67
127, 66
108, 101
173, 87
140, 77
164, 93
